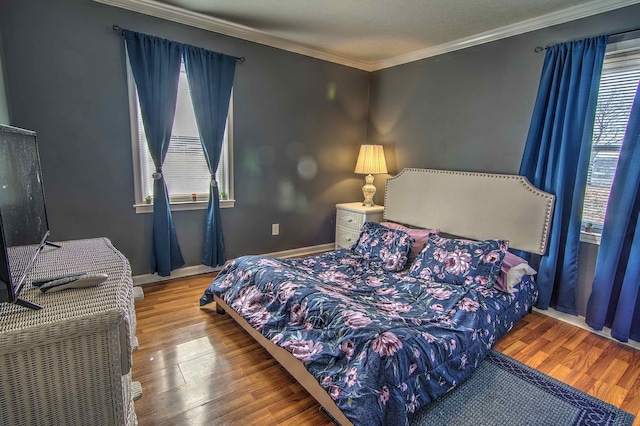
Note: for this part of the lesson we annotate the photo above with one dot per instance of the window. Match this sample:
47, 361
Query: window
618, 84
185, 167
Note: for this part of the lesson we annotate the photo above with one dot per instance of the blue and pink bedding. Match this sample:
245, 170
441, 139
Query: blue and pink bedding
381, 343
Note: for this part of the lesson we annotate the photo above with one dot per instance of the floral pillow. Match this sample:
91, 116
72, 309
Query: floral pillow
460, 261
420, 235
511, 272
377, 243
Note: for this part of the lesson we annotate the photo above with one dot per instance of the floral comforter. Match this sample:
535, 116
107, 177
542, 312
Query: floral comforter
381, 343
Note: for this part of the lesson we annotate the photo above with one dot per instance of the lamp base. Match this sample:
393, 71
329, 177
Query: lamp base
368, 190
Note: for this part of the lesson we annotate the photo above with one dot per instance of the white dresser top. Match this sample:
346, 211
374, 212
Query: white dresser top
359, 208
68, 311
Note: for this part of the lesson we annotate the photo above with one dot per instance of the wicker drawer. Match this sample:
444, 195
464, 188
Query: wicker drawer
70, 364
350, 220
346, 238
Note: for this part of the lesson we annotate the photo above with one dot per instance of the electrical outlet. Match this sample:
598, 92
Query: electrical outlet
275, 229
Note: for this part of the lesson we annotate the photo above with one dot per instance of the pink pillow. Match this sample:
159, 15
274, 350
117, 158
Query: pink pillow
506, 280
419, 235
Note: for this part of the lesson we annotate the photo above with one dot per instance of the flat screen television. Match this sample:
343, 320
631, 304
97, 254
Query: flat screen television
23, 216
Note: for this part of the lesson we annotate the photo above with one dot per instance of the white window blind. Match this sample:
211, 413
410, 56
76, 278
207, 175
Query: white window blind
185, 168
618, 85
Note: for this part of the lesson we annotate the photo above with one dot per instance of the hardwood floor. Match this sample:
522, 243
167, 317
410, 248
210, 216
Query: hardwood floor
197, 367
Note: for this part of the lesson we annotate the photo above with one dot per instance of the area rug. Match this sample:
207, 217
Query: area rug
504, 391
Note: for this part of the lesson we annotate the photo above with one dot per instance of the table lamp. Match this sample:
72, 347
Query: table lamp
370, 161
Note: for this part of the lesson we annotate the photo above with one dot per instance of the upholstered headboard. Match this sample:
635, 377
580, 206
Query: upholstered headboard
477, 206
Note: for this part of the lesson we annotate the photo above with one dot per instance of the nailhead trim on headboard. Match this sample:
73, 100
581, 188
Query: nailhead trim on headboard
548, 198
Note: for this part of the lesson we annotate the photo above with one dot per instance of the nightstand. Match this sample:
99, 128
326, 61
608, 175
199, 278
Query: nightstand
349, 220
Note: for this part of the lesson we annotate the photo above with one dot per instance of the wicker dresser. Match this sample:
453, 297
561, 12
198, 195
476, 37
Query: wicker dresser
70, 363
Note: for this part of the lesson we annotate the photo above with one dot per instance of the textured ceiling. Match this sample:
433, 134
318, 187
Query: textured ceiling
374, 31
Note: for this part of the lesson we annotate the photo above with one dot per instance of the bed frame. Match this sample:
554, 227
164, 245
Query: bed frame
472, 205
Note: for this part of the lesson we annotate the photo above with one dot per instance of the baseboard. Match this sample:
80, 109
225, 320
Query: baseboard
303, 251
188, 271
578, 321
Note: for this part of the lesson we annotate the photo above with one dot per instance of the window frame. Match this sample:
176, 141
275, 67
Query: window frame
139, 204
619, 55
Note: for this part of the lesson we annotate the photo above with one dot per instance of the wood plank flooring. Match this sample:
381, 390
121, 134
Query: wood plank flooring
199, 368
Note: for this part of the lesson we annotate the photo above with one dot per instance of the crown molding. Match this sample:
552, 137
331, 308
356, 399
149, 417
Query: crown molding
544, 21
199, 20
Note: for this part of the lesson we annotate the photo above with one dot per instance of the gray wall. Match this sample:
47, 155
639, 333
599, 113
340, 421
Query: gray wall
66, 79
471, 109
4, 108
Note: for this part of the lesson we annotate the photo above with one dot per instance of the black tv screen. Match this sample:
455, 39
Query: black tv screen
23, 216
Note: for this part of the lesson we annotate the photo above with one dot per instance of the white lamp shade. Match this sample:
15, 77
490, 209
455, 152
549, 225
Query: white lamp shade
371, 160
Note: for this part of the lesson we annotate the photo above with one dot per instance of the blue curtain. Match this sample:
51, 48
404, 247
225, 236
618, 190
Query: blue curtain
155, 63
210, 76
556, 158
615, 300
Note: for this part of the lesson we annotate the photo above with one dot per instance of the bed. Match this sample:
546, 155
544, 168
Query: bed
373, 341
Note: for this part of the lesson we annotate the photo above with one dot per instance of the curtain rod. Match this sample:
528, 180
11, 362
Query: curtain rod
119, 29
616, 36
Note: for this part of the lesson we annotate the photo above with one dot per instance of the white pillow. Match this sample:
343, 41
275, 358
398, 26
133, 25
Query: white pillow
516, 273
